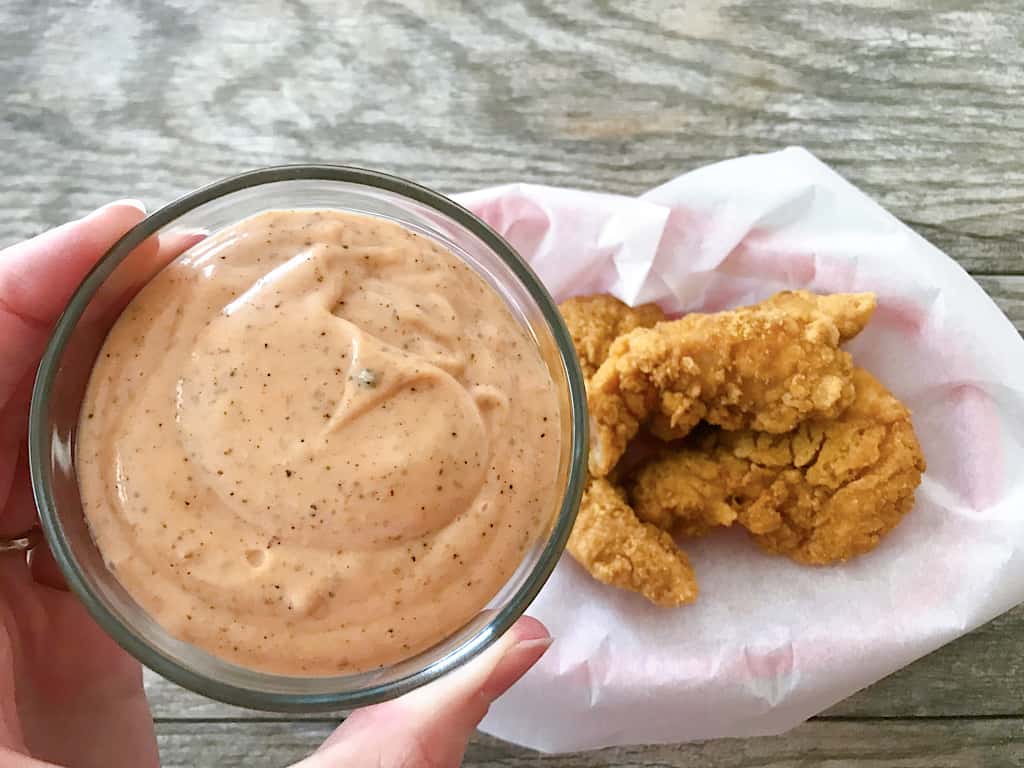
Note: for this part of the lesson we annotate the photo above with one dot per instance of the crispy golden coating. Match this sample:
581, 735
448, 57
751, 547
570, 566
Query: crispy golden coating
816, 459
822, 493
618, 549
596, 321
692, 490
851, 312
767, 367
608, 540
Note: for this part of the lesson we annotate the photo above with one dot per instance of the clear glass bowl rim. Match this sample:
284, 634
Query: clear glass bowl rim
40, 444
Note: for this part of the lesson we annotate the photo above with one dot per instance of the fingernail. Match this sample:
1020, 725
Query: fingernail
129, 201
514, 664
528, 628
541, 643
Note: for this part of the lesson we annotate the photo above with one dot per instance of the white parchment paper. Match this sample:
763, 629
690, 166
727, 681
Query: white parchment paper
771, 643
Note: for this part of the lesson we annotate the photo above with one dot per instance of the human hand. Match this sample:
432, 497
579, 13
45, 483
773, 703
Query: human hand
68, 694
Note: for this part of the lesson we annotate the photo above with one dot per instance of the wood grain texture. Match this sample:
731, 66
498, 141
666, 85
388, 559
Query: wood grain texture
986, 743
918, 102
921, 106
1008, 293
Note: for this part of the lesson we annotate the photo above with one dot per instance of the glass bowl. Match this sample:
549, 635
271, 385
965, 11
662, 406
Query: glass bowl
81, 330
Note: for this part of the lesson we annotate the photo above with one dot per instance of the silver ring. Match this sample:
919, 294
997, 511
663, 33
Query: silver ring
23, 542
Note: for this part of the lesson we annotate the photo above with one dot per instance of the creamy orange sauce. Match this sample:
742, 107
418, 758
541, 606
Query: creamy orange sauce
317, 443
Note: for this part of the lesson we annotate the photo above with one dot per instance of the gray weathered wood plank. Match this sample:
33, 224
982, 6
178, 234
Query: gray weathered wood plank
958, 743
920, 105
1008, 293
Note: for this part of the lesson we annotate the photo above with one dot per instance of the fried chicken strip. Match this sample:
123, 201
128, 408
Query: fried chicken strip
766, 367
608, 540
618, 549
596, 321
822, 493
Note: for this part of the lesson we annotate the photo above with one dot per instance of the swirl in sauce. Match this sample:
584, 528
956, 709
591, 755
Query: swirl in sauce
317, 443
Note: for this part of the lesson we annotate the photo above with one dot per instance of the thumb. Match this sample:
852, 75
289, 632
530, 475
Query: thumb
431, 725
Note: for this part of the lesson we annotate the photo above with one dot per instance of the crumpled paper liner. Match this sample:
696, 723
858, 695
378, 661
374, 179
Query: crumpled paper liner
770, 643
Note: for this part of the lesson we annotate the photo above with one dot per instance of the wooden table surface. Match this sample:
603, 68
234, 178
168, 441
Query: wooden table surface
919, 103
